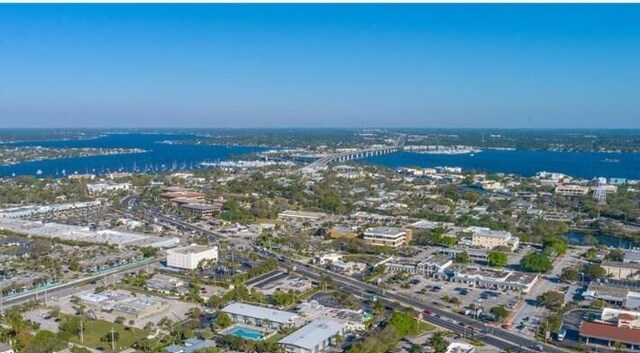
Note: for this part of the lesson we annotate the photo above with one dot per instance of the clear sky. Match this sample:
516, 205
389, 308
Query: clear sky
320, 66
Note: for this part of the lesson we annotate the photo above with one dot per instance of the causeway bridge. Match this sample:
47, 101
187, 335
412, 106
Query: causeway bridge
358, 154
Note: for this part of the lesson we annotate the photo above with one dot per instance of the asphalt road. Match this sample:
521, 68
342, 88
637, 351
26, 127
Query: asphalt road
69, 287
500, 338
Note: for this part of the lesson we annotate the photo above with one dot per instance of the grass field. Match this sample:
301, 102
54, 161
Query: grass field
97, 329
422, 328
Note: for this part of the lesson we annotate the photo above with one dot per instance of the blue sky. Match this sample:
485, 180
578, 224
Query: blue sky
320, 65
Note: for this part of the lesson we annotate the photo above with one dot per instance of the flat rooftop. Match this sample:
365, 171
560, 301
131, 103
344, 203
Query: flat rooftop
311, 335
386, 231
302, 214
192, 249
631, 256
607, 290
630, 265
260, 312
200, 207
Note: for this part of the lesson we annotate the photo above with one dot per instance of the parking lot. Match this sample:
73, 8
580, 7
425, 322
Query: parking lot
432, 291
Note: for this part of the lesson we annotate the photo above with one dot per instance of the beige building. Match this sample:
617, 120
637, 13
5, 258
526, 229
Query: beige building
486, 238
387, 236
622, 270
572, 190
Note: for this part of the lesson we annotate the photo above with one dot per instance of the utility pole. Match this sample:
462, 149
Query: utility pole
82, 330
546, 333
113, 342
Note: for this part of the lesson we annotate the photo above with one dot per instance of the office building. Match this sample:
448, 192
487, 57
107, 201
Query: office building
189, 257
387, 236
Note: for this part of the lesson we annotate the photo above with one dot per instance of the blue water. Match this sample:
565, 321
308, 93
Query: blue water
526, 163
246, 333
160, 155
577, 238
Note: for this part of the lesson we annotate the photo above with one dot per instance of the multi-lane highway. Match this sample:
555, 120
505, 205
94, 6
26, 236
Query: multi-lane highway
70, 287
460, 324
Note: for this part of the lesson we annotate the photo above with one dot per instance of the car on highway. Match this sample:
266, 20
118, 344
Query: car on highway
428, 311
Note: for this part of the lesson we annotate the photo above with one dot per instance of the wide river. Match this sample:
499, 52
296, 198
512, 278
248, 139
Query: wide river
578, 164
159, 156
163, 156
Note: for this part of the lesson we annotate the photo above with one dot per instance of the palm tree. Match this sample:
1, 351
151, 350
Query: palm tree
619, 346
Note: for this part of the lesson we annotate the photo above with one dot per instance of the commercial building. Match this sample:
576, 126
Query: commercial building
201, 210
427, 266
355, 320
314, 337
84, 234
81, 176
138, 307
189, 257
100, 188
491, 278
183, 194
424, 224
613, 326
26, 211
302, 216
571, 190
486, 238
628, 271
167, 285
474, 254
260, 316
123, 304
387, 236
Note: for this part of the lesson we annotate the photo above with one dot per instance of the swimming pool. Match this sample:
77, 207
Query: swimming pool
245, 333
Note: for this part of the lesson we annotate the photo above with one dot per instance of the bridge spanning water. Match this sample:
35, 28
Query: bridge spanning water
358, 154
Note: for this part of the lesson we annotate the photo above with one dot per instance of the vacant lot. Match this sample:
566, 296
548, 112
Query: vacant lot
96, 330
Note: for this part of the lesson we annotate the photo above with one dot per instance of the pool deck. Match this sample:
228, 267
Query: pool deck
265, 333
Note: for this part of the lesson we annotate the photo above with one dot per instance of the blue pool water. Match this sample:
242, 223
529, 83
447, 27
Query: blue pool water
246, 333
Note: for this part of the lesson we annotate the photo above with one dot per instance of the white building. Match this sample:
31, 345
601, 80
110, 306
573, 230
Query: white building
314, 337
100, 188
387, 236
302, 216
190, 256
26, 211
260, 316
460, 347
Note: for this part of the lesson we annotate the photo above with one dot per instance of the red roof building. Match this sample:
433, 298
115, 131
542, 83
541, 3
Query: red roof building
609, 332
